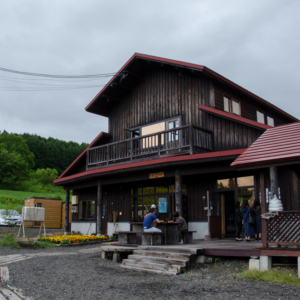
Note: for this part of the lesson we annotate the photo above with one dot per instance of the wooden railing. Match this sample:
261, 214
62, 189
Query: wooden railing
284, 228
186, 139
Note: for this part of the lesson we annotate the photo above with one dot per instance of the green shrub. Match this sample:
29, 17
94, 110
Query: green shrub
9, 241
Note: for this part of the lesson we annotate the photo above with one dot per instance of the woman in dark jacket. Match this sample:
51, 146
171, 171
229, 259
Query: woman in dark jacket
238, 220
256, 209
246, 210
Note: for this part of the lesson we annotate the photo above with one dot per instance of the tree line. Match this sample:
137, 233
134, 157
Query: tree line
20, 154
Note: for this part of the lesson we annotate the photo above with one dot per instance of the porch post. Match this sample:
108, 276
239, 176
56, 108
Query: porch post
263, 208
67, 229
274, 182
99, 205
178, 195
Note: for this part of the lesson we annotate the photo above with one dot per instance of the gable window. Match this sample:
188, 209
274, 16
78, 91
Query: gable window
260, 117
270, 121
232, 106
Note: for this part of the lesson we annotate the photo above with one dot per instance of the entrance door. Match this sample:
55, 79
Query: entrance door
215, 217
104, 214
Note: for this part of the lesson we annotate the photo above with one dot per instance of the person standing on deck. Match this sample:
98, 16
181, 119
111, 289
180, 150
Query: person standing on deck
246, 211
257, 212
149, 219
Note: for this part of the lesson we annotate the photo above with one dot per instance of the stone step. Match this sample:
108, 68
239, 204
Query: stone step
153, 266
135, 268
177, 249
164, 254
159, 260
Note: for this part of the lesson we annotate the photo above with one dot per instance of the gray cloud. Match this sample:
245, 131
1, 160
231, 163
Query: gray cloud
253, 43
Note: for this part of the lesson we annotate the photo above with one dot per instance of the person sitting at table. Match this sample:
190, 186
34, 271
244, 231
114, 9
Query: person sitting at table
182, 225
157, 214
149, 219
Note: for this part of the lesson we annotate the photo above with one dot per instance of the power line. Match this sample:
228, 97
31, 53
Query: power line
57, 76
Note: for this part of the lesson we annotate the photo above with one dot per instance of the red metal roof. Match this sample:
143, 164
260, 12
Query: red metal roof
83, 152
190, 66
277, 144
152, 162
237, 118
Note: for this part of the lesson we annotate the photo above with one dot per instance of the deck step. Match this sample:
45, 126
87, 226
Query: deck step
164, 254
153, 266
171, 249
135, 268
151, 259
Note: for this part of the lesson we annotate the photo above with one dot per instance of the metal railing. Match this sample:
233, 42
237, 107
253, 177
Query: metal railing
186, 139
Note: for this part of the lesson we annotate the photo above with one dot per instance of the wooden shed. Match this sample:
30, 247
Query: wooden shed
53, 211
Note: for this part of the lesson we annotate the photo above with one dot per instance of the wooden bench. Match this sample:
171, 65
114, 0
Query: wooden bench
129, 237
152, 238
188, 236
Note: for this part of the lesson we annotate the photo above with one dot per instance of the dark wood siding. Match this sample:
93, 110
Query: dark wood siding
248, 105
231, 135
197, 187
161, 95
118, 199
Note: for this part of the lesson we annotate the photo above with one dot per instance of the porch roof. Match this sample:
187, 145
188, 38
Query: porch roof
201, 157
276, 146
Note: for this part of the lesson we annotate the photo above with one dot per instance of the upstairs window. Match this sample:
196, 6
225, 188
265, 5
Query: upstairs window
232, 106
270, 121
260, 117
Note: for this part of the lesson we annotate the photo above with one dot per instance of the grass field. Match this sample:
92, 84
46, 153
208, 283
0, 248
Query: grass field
15, 199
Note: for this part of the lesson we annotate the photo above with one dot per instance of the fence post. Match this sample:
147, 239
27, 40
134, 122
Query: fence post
191, 139
107, 154
87, 159
159, 143
131, 146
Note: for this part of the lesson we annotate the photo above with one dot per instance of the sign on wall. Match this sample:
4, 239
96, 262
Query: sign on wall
156, 175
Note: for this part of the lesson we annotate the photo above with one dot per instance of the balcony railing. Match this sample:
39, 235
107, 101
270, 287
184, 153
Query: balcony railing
186, 139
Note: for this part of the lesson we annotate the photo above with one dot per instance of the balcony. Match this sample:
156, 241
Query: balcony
188, 139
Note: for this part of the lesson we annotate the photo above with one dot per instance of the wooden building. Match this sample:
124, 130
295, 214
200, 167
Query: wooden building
54, 211
174, 129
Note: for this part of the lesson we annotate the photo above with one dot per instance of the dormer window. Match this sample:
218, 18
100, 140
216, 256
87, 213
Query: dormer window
270, 121
232, 106
260, 117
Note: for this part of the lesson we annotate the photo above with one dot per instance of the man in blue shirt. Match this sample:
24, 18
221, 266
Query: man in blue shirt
149, 219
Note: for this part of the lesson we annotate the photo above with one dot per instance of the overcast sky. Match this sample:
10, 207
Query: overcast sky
254, 43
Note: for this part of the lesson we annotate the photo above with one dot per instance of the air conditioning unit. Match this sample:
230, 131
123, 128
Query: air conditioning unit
36, 214
74, 200
75, 209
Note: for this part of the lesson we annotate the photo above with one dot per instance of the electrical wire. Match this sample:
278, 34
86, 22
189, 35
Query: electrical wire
56, 76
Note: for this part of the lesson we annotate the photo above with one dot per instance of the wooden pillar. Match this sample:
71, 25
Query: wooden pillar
273, 182
263, 208
67, 229
178, 195
99, 207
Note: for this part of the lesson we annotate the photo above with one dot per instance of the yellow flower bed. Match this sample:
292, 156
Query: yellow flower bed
74, 238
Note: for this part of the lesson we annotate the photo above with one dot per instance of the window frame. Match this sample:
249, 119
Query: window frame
230, 108
80, 210
263, 116
268, 117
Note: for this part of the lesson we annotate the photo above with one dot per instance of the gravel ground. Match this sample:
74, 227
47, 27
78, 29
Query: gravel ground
87, 276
